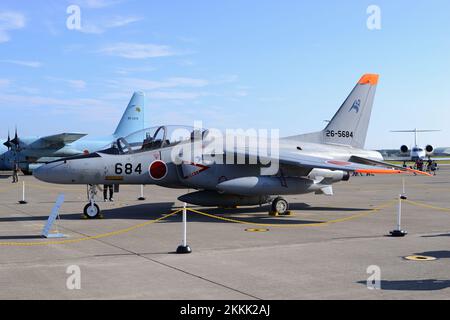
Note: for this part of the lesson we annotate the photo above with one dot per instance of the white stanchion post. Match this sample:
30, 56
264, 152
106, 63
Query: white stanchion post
142, 198
184, 227
399, 216
23, 201
399, 232
184, 248
403, 184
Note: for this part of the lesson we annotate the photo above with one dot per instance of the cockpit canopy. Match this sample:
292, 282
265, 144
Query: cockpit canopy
154, 138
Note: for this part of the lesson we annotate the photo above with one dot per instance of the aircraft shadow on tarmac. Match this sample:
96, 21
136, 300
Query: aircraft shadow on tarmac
149, 211
144, 211
25, 237
156, 210
307, 207
436, 254
418, 285
413, 285
437, 235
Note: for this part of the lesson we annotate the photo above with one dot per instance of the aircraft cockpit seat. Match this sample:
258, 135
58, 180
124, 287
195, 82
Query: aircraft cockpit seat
147, 144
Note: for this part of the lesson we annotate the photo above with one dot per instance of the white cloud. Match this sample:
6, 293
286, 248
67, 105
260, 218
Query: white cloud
176, 95
4, 83
174, 88
4, 37
143, 84
101, 27
119, 21
231, 78
128, 70
34, 101
77, 84
137, 50
242, 93
10, 20
81, 106
96, 4
29, 90
31, 64
91, 29
73, 83
187, 82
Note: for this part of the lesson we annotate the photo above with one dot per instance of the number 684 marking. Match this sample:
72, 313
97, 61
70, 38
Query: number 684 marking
128, 169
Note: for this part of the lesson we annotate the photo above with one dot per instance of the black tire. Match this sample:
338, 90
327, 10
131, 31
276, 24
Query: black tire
280, 206
91, 213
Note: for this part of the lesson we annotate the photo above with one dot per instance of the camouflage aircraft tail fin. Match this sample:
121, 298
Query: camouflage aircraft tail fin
133, 117
350, 124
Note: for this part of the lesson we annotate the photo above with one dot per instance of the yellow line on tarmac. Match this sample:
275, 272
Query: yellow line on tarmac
100, 236
126, 230
428, 206
320, 224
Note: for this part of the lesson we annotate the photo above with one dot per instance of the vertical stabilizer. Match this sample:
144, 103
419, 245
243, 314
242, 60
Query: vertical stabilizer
350, 124
133, 117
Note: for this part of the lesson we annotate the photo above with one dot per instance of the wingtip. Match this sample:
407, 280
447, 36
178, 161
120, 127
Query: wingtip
369, 78
418, 172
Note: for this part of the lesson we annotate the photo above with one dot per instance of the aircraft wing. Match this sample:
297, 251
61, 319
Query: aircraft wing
65, 138
354, 164
57, 140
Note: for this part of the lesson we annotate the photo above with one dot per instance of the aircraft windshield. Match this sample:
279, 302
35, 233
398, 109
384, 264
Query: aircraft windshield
153, 138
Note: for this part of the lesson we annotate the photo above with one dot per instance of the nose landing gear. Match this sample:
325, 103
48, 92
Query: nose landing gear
92, 210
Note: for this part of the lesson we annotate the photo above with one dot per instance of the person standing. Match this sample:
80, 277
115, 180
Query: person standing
15, 172
434, 167
420, 165
429, 165
105, 192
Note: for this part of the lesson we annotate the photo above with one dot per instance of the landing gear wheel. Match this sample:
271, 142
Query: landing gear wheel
91, 211
280, 206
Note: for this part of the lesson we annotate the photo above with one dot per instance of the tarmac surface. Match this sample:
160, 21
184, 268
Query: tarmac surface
323, 251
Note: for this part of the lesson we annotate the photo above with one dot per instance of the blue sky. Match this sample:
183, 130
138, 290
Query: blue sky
232, 64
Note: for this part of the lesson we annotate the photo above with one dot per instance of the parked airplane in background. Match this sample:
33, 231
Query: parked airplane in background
31, 152
162, 156
415, 153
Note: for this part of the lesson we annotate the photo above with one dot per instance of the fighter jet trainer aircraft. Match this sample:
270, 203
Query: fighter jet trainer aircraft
227, 174
31, 152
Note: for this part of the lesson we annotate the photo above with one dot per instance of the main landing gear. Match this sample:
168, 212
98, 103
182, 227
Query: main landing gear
280, 207
92, 210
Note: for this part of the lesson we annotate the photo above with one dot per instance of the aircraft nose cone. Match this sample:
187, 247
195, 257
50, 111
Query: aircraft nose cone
51, 172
